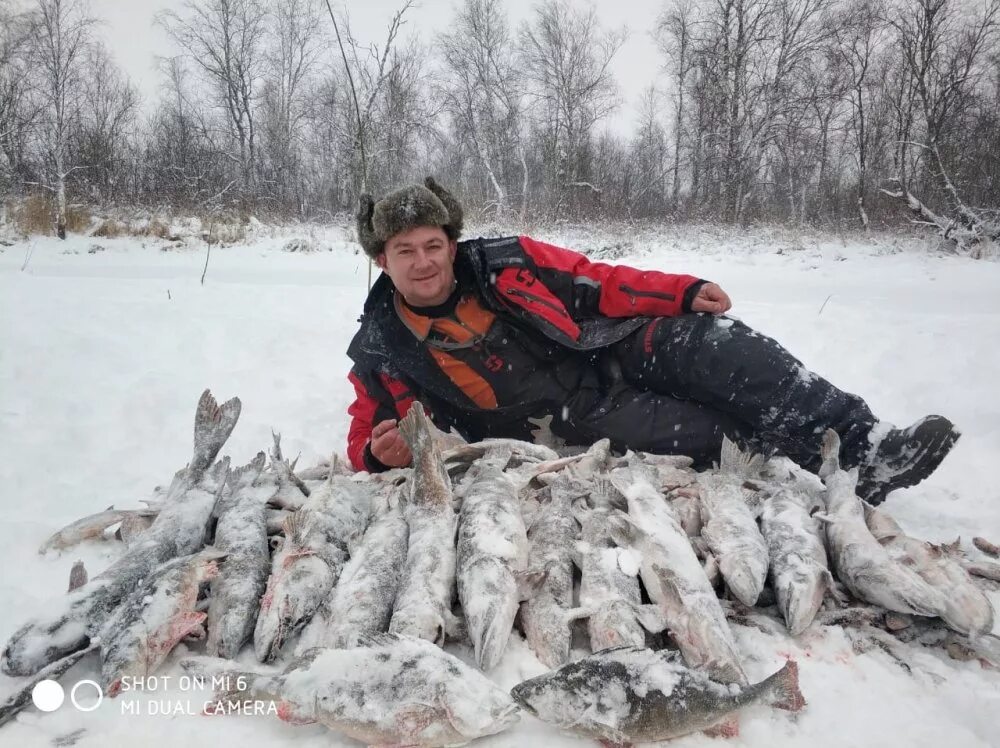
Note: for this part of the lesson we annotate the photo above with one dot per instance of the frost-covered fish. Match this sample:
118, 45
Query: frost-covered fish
799, 572
311, 558
388, 690
159, 613
292, 490
491, 555
729, 526
423, 602
967, 609
179, 530
519, 449
548, 612
630, 695
674, 579
91, 527
859, 560
362, 601
241, 533
606, 591
20, 699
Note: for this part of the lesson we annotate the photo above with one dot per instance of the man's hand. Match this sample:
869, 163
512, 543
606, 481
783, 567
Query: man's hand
388, 445
711, 298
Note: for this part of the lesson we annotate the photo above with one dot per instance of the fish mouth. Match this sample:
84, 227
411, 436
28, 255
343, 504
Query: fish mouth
519, 695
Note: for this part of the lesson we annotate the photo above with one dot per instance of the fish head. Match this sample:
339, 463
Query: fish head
547, 697
801, 602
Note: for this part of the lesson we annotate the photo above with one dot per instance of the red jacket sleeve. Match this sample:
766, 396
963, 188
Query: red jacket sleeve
611, 290
376, 398
362, 412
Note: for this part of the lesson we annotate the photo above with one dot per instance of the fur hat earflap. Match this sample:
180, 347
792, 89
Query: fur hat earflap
428, 204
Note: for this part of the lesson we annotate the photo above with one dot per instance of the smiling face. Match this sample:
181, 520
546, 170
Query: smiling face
420, 263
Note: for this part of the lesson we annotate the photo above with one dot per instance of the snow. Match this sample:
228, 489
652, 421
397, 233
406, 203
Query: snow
103, 357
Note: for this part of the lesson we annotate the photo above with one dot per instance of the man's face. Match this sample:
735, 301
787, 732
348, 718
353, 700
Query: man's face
420, 263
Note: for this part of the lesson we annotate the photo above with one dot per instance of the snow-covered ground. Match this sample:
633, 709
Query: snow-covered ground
103, 356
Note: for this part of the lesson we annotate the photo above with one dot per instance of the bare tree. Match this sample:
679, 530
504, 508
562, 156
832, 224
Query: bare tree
481, 90
61, 36
674, 33
946, 50
107, 116
224, 40
293, 52
566, 58
861, 32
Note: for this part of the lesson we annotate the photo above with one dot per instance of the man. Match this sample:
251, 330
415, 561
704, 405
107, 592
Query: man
497, 336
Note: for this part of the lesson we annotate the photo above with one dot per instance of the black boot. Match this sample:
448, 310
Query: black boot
904, 457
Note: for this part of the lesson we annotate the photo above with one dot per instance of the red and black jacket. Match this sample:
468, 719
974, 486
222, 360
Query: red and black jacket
556, 292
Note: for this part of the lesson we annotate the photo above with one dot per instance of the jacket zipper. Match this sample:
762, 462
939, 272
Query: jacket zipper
635, 293
537, 300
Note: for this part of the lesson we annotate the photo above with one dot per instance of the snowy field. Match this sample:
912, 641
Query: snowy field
103, 357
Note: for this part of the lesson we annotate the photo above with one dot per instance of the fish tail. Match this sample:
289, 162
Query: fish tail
213, 423
830, 452
783, 688
245, 475
737, 462
415, 428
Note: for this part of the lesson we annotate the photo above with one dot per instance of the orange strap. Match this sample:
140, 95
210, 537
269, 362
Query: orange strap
473, 321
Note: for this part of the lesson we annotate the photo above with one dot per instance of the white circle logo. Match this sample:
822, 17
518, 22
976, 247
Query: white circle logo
47, 695
97, 687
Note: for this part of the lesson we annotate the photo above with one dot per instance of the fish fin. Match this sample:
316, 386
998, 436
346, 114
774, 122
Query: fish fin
415, 428
529, 583
735, 461
213, 423
830, 452
77, 576
246, 475
825, 518
619, 484
650, 617
297, 525
729, 728
622, 529
783, 688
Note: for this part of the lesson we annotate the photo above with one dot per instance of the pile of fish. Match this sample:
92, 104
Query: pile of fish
354, 582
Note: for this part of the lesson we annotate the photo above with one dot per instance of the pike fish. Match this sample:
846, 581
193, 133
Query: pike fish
492, 555
609, 594
859, 560
548, 612
387, 690
178, 530
967, 609
311, 558
729, 526
795, 544
91, 527
362, 601
684, 601
630, 695
423, 602
138, 636
241, 533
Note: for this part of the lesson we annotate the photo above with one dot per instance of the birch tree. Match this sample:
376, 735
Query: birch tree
61, 35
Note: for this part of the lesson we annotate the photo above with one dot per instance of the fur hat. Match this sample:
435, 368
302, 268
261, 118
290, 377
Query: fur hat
428, 204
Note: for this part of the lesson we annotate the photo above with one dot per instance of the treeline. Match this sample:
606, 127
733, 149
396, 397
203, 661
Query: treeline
848, 111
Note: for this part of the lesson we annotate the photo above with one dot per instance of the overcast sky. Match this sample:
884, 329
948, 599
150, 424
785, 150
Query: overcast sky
135, 41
